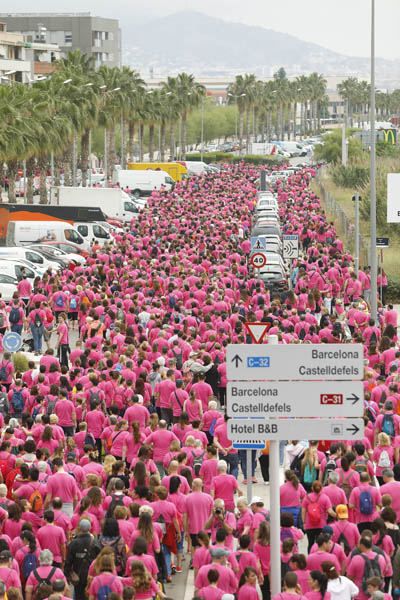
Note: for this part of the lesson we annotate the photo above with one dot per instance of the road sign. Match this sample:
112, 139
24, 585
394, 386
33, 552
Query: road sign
254, 431
258, 260
248, 362
290, 246
258, 243
257, 331
302, 399
12, 341
382, 242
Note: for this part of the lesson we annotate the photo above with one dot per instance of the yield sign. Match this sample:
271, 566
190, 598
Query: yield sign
257, 331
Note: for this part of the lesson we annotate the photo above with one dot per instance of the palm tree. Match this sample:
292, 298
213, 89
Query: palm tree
190, 94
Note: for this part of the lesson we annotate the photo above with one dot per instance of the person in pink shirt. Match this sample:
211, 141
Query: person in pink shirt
315, 509
223, 486
199, 506
365, 500
356, 565
160, 442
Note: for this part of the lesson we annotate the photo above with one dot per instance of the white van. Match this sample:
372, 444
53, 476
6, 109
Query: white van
28, 254
92, 231
142, 183
21, 233
13, 268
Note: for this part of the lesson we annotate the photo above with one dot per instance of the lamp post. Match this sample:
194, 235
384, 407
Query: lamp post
373, 261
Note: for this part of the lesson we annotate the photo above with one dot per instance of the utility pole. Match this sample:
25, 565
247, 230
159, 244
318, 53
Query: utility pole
373, 260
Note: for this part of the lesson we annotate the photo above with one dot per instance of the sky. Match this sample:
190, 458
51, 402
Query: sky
340, 25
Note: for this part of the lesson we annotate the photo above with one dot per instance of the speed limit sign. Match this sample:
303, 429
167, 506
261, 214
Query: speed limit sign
258, 260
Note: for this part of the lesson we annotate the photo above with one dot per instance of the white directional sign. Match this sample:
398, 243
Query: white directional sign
300, 399
253, 431
290, 246
306, 362
258, 243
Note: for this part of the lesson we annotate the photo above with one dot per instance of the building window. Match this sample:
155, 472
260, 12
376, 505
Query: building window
67, 38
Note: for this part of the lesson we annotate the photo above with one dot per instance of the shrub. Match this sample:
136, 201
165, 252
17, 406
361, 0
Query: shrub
20, 362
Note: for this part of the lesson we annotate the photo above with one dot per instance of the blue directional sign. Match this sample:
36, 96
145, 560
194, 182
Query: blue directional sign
12, 341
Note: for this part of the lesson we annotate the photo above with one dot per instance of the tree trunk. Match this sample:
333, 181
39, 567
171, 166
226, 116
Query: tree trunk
12, 170
248, 128
42, 164
85, 156
111, 153
141, 136
183, 149
151, 142
131, 141
172, 140
67, 165
162, 141
123, 143
241, 125
30, 177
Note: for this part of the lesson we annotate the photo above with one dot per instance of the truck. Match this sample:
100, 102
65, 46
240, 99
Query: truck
114, 203
142, 183
87, 220
174, 169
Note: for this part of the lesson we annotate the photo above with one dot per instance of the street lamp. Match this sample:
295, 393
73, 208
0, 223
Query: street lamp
373, 261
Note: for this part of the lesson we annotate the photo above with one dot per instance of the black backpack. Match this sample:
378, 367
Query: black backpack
116, 500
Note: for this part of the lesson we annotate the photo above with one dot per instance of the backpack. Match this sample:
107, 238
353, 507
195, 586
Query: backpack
371, 412
50, 406
286, 533
388, 425
116, 500
342, 541
4, 372
302, 333
4, 404
313, 511
36, 501
361, 465
104, 590
345, 485
38, 321
89, 440
384, 460
373, 339
309, 475
30, 563
14, 315
366, 503
372, 568
43, 580
171, 301
295, 465
73, 303
94, 395
17, 402
60, 301
329, 467
178, 357
197, 462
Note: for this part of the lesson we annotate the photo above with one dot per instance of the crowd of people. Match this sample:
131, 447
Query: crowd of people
115, 462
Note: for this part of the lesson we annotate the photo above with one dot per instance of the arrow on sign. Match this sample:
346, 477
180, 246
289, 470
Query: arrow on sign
353, 398
354, 429
236, 359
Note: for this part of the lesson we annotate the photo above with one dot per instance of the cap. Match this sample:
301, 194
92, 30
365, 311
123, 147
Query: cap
84, 525
328, 529
256, 499
342, 511
219, 552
